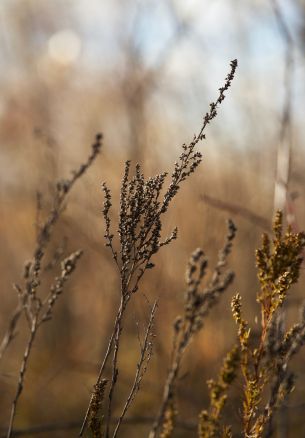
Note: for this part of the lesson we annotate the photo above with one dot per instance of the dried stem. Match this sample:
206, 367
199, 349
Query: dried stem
38, 312
11, 330
140, 226
266, 363
22, 372
239, 210
37, 309
44, 231
115, 370
197, 306
146, 353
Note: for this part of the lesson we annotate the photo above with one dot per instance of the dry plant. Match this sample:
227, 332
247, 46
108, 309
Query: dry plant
210, 420
197, 303
265, 366
142, 208
264, 363
37, 306
145, 356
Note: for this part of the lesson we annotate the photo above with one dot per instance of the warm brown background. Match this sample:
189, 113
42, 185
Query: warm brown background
143, 73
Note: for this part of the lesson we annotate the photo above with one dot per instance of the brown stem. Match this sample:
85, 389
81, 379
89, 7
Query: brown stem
136, 383
169, 386
100, 374
22, 372
115, 370
10, 333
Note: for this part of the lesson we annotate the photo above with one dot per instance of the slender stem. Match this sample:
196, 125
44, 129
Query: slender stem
22, 372
168, 388
115, 337
10, 333
101, 372
136, 383
115, 361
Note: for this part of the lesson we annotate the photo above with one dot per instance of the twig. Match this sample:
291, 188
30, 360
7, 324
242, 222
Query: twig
115, 370
10, 333
37, 309
146, 353
100, 375
239, 210
44, 231
39, 312
198, 303
22, 374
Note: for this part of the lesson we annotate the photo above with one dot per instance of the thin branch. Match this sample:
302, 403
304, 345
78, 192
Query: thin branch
11, 330
44, 231
115, 370
197, 304
37, 309
39, 313
100, 374
146, 353
22, 372
239, 210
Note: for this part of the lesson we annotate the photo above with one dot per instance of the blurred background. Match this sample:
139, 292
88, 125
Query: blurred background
143, 73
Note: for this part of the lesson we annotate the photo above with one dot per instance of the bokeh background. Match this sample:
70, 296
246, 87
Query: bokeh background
143, 73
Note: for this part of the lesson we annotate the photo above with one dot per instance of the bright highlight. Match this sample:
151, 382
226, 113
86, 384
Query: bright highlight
64, 47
